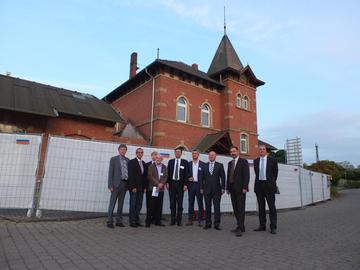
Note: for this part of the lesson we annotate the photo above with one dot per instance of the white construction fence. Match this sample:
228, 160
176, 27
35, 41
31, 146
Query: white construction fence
76, 174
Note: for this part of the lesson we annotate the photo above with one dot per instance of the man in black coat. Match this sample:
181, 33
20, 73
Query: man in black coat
137, 182
266, 173
237, 185
213, 186
177, 183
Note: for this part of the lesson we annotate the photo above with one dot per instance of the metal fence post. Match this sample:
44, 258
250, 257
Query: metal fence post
300, 188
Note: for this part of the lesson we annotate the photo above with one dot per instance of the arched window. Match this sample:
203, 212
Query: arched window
205, 115
244, 143
245, 103
181, 113
238, 100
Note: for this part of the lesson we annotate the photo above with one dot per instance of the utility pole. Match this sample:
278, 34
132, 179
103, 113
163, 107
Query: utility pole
317, 152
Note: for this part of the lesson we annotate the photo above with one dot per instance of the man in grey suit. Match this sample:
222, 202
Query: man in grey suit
213, 187
117, 184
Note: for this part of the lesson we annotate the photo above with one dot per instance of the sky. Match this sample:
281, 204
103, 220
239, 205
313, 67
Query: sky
307, 52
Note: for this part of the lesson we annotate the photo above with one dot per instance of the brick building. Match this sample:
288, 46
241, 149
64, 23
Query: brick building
30, 107
175, 104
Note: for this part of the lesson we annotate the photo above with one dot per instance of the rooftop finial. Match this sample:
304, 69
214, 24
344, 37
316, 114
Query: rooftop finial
224, 22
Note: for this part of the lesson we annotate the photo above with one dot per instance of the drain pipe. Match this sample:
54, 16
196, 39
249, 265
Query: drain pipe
152, 106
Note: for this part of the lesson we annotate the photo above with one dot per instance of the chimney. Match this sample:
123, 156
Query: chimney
133, 64
195, 66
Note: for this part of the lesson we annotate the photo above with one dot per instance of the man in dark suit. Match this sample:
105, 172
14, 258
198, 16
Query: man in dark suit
117, 184
157, 176
177, 183
238, 176
266, 173
136, 185
213, 186
196, 174
148, 192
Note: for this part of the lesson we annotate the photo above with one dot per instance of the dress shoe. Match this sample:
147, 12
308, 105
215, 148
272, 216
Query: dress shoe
217, 228
236, 229
133, 225
238, 233
110, 225
190, 223
120, 224
273, 231
260, 229
206, 227
179, 224
200, 224
172, 223
139, 224
160, 224
147, 225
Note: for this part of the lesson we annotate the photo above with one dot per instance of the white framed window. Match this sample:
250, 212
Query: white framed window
205, 115
245, 103
238, 100
244, 143
181, 110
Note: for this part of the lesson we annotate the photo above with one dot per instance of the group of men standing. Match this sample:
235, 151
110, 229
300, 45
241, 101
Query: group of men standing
203, 181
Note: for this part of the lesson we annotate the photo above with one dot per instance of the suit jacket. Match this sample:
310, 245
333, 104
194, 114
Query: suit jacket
200, 172
136, 178
114, 176
216, 182
241, 176
271, 172
153, 176
183, 171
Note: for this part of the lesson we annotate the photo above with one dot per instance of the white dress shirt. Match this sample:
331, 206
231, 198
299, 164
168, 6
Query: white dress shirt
262, 165
177, 160
195, 169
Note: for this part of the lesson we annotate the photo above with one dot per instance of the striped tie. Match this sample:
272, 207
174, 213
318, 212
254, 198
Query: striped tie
211, 168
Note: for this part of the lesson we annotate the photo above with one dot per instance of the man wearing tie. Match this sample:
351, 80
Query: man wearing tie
196, 174
136, 184
213, 186
266, 173
157, 175
148, 192
117, 185
177, 184
238, 177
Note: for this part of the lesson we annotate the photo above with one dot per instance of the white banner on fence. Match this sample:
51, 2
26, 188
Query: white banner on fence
18, 163
76, 178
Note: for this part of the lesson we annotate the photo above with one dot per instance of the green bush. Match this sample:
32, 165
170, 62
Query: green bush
333, 191
352, 184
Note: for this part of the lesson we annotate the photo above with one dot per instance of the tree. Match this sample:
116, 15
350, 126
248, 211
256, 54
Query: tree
328, 167
346, 165
280, 155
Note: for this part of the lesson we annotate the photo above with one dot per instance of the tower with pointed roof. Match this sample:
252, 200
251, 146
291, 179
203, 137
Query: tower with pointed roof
175, 104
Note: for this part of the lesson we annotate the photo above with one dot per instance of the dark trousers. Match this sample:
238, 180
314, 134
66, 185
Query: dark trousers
194, 191
176, 194
266, 192
238, 203
215, 198
155, 205
118, 195
136, 199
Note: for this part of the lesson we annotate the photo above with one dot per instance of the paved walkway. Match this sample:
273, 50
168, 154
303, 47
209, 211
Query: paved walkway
326, 236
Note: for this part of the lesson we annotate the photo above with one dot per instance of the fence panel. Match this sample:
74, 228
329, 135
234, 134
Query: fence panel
317, 186
288, 184
18, 163
76, 178
306, 187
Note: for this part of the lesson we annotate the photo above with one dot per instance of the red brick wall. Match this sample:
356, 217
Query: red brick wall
170, 133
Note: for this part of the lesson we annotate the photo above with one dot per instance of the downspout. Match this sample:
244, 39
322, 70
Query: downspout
152, 106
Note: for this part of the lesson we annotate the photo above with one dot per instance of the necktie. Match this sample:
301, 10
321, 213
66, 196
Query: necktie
211, 168
124, 169
177, 170
232, 170
262, 169
141, 167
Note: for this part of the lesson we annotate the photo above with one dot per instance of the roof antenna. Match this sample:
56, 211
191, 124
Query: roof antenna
224, 22
158, 53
